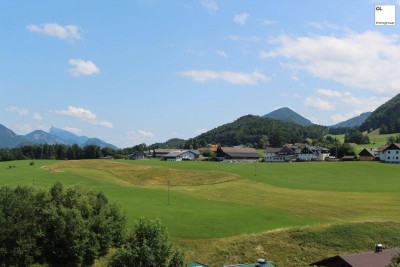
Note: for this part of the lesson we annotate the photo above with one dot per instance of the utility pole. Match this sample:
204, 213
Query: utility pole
168, 191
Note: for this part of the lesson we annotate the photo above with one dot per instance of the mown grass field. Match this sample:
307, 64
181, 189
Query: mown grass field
211, 206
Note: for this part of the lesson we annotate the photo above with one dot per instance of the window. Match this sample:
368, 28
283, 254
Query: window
389, 152
388, 157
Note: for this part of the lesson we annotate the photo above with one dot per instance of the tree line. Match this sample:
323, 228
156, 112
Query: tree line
73, 227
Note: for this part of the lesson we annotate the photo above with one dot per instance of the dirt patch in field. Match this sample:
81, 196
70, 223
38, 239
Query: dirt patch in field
143, 175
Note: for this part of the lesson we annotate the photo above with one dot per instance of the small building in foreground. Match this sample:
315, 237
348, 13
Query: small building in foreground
260, 263
197, 264
378, 258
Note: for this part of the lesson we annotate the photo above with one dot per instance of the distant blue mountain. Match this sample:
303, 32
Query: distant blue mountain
79, 140
42, 137
353, 122
9, 139
286, 114
68, 136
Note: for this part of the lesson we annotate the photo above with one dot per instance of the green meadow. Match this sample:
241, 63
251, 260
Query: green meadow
204, 204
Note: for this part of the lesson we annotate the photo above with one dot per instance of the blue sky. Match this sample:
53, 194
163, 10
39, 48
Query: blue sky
139, 71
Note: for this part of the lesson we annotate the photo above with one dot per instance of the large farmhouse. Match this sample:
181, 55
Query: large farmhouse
179, 155
284, 154
391, 153
313, 153
237, 154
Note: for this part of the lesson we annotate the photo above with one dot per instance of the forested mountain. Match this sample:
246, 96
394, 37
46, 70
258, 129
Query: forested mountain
353, 122
386, 117
258, 131
286, 114
8, 138
171, 143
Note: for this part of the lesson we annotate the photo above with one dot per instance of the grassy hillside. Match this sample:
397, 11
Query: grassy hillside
226, 208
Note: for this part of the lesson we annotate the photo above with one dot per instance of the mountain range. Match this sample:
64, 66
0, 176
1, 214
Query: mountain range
9, 139
353, 122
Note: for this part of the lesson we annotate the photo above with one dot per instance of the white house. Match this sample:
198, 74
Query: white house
391, 153
285, 154
179, 155
313, 153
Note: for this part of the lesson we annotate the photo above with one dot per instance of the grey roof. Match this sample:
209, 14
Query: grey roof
366, 259
163, 151
371, 151
243, 152
176, 153
273, 150
392, 146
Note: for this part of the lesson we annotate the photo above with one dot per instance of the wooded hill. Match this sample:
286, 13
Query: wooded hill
386, 117
258, 131
286, 114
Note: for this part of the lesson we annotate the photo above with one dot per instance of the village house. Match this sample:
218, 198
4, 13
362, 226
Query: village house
240, 154
159, 153
391, 154
368, 154
313, 153
179, 155
137, 155
378, 258
285, 154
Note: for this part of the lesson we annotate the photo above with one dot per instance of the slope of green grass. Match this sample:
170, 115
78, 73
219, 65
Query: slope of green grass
229, 212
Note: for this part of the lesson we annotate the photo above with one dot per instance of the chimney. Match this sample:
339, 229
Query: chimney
378, 248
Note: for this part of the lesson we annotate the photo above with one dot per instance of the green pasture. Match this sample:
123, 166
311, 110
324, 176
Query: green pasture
213, 200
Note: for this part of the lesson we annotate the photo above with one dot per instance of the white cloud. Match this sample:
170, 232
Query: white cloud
241, 18
210, 5
84, 115
237, 38
82, 67
270, 54
222, 53
318, 103
140, 135
322, 25
36, 116
20, 111
267, 22
24, 128
67, 32
329, 93
73, 130
369, 60
228, 76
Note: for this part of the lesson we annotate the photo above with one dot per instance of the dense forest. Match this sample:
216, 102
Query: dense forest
386, 117
260, 132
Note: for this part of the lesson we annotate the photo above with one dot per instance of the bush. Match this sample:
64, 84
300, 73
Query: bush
61, 226
32, 163
148, 246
